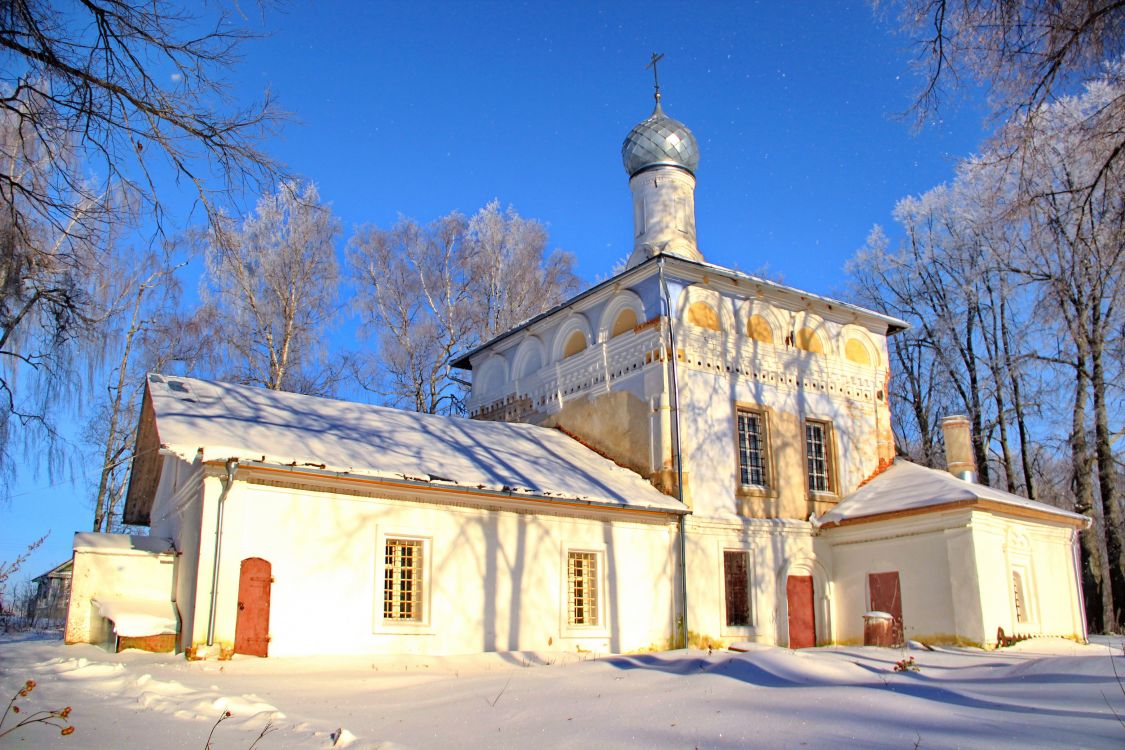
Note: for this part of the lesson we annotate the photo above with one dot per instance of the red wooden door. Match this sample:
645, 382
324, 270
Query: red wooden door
802, 621
886, 596
252, 628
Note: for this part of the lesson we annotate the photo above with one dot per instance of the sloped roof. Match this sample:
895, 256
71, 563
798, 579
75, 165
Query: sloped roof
90, 540
62, 570
225, 420
894, 325
907, 488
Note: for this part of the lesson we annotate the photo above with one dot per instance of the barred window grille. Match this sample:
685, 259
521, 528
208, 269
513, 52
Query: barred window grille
1017, 596
402, 580
816, 454
582, 588
736, 577
751, 449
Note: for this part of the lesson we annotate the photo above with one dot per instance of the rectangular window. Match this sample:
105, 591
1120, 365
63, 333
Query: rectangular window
818, 456
402, 580
736, 580
582, 588
752, 461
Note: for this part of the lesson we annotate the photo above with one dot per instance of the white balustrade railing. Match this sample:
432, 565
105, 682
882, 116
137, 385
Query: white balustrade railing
595, 368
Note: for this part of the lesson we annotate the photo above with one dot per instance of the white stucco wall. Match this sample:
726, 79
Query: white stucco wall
708, 399
176, 515
497, 578
777, 549
1043, 555
955, 575
919, 549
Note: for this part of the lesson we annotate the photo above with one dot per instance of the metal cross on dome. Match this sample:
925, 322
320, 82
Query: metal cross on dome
655, 78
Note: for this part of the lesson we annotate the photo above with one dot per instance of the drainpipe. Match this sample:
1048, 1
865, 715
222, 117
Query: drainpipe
232, 467
679, 452
1076, 555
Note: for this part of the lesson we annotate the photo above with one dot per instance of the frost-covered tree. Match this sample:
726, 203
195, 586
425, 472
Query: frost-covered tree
1073, 250
1026, 53
272, 288
106, 108
144, 332
55, 286
432, 292
130, 89
1015, 270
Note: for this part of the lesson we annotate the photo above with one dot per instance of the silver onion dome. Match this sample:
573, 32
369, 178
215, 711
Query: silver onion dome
659, 140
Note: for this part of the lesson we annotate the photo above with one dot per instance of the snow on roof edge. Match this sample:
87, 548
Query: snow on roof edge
907, 487
224, 420
89, 540
221, 454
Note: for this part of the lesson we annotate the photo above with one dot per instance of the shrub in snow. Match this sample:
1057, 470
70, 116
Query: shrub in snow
60, 719
907, 665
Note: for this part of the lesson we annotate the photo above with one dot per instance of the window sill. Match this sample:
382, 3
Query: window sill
584, 631
418, 628
738, 631
750, 490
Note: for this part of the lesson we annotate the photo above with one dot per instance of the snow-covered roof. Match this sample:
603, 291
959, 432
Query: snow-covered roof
908, 487
121, 542
274, 427
138, 618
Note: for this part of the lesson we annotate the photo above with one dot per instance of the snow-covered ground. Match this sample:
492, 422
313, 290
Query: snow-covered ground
1042, 693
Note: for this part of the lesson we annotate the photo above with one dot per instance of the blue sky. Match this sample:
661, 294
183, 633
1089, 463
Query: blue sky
421, 108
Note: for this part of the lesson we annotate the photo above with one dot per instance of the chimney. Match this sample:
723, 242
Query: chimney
959, 447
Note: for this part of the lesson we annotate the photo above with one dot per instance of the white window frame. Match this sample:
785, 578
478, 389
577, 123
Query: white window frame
737, 630
763, 420
832, 481
423, 625
1020, 560
572, 630
1027, 584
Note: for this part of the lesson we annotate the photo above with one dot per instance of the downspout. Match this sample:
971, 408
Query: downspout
1076, 555
232, 467
679, 453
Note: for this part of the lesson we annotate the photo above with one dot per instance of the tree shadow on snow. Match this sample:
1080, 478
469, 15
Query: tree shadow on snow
914, 685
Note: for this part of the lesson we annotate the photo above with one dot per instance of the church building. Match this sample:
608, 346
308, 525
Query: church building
681, 454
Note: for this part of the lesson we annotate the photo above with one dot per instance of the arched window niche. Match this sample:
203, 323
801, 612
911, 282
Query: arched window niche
623, 313
575, 343
702, 315
625, 322
809, 340
856, 352
529, 358
572, 337
759, 329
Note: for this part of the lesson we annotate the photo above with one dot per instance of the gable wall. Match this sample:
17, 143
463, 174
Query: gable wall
1043, 555
955, 573
738, 344
722, 370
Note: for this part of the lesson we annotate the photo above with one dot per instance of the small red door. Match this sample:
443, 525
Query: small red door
252, 628
886, 596
802, 621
